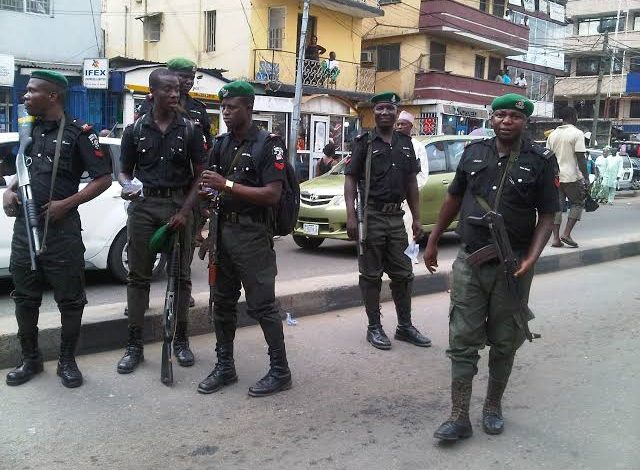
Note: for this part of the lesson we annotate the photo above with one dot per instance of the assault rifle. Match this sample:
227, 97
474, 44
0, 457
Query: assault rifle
495, 222
362, 235
211, 245
25, 125
170, 311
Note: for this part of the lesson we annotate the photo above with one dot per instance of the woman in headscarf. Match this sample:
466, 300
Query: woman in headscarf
610, 180
597, 188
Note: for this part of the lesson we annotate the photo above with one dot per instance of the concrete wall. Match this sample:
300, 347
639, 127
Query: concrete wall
58, 37
182, 32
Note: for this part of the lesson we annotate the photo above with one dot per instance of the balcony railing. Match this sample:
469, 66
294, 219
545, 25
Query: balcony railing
464, 23
458, 88
275, 67
355, 8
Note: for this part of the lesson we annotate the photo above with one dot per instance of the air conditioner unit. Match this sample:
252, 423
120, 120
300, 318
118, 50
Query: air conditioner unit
366, 57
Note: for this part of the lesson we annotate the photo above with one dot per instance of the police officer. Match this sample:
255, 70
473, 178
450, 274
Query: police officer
247, 167
482, 310
192, 108
61, 263
163, 148
393, 167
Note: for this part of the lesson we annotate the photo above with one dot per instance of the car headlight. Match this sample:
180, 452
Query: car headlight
337, 200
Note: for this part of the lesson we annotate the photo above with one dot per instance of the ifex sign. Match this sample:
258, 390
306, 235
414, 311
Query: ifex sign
95, 73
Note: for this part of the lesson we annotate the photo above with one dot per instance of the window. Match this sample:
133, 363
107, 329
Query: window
436, 157
591, 65
634, 109
210, 31
479, 68
636, 22
634, 64
495, 65
388, 57
567, 65
594, 26
276, 27
483, 5
37, 6
13, 5
151, 27
388, 2
498, 8
437, 55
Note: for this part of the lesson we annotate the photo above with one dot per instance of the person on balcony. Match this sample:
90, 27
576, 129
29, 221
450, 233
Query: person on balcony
499, 76
521, 81
313, 75
506, 79
331, 69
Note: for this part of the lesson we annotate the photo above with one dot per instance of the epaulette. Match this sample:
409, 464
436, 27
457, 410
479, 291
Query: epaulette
199, 102
221, 136
477, 142
542, 151
362, 136
83, 126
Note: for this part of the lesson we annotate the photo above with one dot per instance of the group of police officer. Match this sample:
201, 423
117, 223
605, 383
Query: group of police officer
170, 151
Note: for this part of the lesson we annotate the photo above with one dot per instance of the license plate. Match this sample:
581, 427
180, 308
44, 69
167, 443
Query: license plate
310, 229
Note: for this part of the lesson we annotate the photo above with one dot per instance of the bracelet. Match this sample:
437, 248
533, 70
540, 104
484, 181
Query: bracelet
229, 185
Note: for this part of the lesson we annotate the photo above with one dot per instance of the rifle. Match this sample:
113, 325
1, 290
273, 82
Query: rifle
509, 263
362, 235
170, 311
211, 246
25, 125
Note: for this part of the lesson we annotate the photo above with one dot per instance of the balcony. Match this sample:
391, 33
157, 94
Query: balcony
586, 86
355, 8
445, 86
590, 45
275, 68
450, 19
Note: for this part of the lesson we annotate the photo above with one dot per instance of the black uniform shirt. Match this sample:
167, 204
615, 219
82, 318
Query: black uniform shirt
391, 165
193, 109
253, 167
529, 187
79, 152
162, 160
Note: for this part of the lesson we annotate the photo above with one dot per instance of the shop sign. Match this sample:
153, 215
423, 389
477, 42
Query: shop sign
95, 74
7, 70
473, 113
556, 12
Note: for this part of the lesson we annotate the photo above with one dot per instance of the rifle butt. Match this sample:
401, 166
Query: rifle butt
166, 369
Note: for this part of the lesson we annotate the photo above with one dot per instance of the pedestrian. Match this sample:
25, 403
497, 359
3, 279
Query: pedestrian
327, 161
521, 81
506, 79
247, 168
383, 165
74, 145
612, 176
567, 143
516, 179
165, 151
404, 125
598, 190
313, 68
498, 77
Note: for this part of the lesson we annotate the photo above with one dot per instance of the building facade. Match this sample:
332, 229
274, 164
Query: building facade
56, 35
603, 36
258, 41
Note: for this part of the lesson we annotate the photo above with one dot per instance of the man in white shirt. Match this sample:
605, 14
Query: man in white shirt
404, 124
520, 81
567, 142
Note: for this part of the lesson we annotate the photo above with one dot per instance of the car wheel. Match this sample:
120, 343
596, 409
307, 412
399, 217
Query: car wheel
118, 259
635, 184
307, 242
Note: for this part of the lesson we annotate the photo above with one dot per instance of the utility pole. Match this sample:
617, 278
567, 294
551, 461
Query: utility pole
297, 99
596, 103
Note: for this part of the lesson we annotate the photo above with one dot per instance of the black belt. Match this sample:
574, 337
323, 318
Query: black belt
163, 192
236, 218
385, 206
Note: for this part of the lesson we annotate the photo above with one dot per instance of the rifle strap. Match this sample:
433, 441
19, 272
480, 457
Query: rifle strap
513, 156
56, 161
367, 184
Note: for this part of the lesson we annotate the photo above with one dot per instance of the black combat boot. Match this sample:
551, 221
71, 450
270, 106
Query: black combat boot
458, 425
31, 360
134, 352
181, 346
401, 293
279, 376
68, 371
371, 296
224, 372
492, 420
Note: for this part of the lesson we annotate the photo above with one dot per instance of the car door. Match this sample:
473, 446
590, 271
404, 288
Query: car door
8, 142
433, 192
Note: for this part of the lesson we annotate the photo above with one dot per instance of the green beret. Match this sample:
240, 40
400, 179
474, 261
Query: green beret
51, 76
180, 64
237, 88
515, 102
386, 97
161, 239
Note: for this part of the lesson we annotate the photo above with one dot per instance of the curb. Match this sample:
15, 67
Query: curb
107, 333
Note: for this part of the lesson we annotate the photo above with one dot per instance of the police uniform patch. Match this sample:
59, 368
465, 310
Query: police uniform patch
86, 128
278, 153
519, 104
96, 144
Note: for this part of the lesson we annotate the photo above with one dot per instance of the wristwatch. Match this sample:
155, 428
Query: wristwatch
229, 185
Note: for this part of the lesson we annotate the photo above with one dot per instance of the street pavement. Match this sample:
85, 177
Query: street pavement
335, 257
571, 404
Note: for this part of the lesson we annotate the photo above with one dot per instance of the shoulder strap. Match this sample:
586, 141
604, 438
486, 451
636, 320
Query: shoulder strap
513, 156
236, 157
136, 130
56, 161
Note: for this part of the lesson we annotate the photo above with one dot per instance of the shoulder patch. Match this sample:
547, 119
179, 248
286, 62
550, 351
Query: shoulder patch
221, 136
542, 151
362, 136
86, 128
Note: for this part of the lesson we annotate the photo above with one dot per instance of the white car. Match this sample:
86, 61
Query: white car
104, 220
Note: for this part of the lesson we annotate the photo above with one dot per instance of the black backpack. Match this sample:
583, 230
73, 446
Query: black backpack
284, 215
